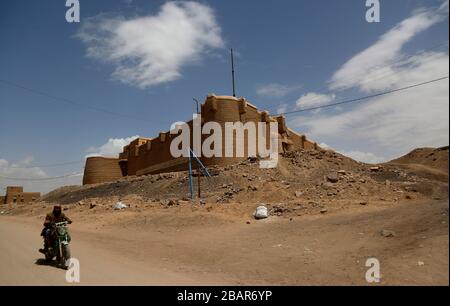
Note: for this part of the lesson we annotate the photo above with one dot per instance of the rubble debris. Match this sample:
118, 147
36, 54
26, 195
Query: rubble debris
333, 178
119, 205
410, 188
387, 233
298, 194
252, 188
299, 177
261, 212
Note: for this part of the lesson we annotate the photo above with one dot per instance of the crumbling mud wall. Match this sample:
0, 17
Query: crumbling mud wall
152, 155
16, 195
295, 141
101, 169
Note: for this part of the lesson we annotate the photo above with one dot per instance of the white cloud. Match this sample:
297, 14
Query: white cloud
282, 108
444, 7
21, 169
33, 179
274, 90
365, 157
390, 125
152, 50
313, 99
111, 148
323, 145
379, 59
416, 117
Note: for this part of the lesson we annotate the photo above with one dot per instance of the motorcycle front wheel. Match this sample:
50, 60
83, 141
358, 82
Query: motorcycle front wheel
65, 254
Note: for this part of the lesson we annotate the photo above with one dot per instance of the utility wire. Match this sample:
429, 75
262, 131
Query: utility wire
285, 113
72, 102
41, 179
378, 67
38, 92
46, 166
365, 97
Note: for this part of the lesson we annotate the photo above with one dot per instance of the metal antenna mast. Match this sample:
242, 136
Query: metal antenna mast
196, 101
232, 72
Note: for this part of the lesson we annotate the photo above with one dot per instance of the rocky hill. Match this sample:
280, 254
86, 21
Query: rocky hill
304, 182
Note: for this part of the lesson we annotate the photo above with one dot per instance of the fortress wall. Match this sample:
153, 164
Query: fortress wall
155, 156
153, 152
222, 109
301, 141
15, 194
14, 189
101, 169
30, 196
152, 155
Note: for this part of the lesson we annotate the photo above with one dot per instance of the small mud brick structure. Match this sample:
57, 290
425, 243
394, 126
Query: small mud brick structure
15, 194
152, 155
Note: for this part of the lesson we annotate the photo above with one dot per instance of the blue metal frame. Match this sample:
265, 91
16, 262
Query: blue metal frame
191, 187
202, 168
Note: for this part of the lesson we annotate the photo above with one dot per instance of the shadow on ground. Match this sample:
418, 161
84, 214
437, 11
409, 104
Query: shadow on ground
51, 263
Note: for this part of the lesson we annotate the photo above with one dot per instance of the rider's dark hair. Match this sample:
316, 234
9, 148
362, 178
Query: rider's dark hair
56, 209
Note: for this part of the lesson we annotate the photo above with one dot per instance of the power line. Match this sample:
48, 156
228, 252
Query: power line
46, 166
41, 179
286, 113
365, 97
383, 75
73, 102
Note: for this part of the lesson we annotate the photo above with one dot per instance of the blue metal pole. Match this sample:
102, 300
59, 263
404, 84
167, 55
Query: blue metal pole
204, 169
191, 187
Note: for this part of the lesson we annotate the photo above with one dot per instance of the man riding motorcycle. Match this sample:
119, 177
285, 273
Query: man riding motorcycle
54, 217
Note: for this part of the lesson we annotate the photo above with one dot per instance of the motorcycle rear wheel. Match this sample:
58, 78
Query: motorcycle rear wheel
48, 258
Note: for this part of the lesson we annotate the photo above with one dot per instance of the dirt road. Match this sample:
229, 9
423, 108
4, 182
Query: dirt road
166, 247
20, 263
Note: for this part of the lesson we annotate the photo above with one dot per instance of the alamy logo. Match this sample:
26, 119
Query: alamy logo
373, 273
373, 13
231, 141
73, 13
73, 270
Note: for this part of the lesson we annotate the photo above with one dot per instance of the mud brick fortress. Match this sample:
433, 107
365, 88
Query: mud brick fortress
15, 195
152, 155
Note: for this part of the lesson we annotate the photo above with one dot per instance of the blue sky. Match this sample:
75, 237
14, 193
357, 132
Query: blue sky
290, 54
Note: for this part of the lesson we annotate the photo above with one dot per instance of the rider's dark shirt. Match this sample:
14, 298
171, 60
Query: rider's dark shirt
50, 218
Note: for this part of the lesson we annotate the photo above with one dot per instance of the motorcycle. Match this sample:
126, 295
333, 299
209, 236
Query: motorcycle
57, 243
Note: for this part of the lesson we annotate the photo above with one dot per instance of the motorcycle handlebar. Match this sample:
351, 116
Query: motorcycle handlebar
61, 223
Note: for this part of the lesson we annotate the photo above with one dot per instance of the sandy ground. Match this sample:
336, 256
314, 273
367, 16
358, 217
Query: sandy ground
170, 247
327, 213
21, 264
